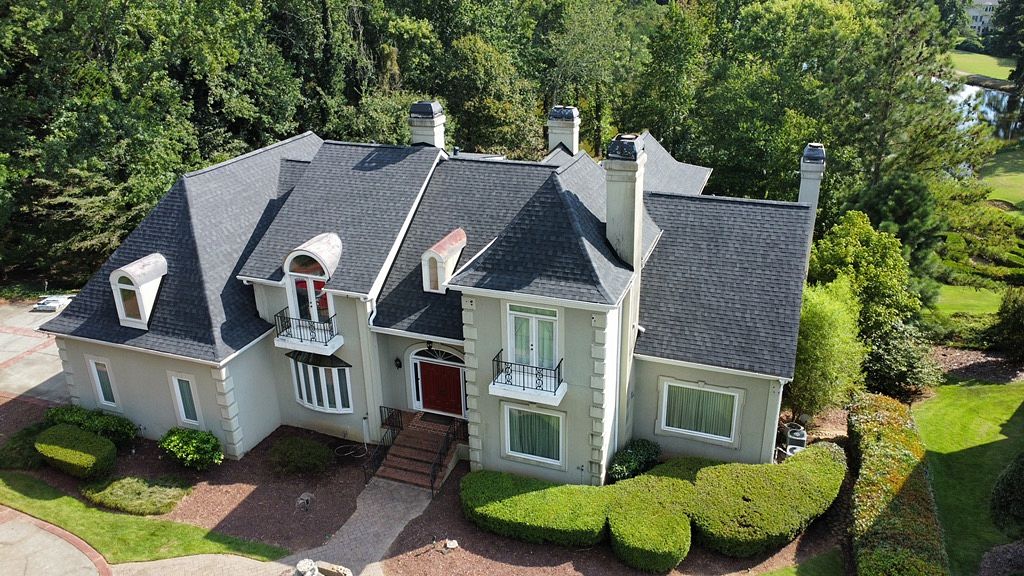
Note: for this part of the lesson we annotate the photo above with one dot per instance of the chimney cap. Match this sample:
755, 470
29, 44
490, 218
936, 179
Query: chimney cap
560, 112
814, 153
625, 147
425, 109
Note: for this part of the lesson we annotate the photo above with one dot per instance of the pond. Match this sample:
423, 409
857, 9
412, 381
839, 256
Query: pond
998, 108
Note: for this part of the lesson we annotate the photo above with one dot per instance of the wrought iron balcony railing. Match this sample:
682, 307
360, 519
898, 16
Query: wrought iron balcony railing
304, 330
525, 377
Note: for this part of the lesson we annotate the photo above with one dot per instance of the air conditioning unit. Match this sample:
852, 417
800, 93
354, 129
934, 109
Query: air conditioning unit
796, 436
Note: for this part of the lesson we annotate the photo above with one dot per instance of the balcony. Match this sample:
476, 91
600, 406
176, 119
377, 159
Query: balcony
307, 335
527, 383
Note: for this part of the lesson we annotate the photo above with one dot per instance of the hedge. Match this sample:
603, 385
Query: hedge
534, 510
636, 457
742, 508
19, 452
118, 429
895, 526
76, 452
195, 449
748, 509
1007, 502
648, 522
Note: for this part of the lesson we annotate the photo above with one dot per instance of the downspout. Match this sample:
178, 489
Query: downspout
771, 423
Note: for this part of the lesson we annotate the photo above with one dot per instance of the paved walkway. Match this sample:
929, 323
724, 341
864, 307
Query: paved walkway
29, 546
29, 362
383, 509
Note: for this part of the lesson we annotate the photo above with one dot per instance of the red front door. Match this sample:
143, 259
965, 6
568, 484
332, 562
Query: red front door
441, 387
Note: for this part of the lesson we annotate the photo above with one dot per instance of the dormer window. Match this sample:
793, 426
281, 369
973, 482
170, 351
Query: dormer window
439, 261
135, 287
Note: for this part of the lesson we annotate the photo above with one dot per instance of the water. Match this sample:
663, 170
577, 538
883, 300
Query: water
998, 108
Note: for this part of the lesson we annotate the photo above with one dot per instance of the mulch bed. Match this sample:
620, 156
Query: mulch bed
1005, 560
962, 363
481, 553
17, 413
246, 498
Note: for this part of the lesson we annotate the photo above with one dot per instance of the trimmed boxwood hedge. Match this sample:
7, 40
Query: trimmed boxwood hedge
895, 527
118, 429
748, 509
648, 521
196, 449
76, 452
636, 457
1007, 503
535, 510
743, 508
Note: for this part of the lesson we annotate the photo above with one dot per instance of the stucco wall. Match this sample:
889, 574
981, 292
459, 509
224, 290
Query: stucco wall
254, 390
583, 459
142, 385
759, 395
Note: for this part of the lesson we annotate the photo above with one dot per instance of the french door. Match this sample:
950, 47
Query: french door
310, 299
533, 336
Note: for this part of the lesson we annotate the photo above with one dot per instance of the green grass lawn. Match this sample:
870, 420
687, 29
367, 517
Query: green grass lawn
119, 537
828, 564
953, 299
1005, 174
971, 63
971, 430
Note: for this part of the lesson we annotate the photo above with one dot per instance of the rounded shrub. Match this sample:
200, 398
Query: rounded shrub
76, 452
649, 523
535, 510
1007, 504
194, 449
297, 455
748, 509
1010, 328
19, 452
635, 457
139, 496
118, 429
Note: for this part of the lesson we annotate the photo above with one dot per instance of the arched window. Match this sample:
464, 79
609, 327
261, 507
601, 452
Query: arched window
435, 354
307, 266
135, 287
435, 274
129, 295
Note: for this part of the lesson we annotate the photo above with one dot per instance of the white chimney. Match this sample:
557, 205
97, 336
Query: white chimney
624, 182
812, 169
426, 122
564, 128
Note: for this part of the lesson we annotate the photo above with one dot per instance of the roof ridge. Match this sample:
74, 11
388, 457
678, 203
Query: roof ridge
575, 159
506, 161
249, 154
577, 226
731, 199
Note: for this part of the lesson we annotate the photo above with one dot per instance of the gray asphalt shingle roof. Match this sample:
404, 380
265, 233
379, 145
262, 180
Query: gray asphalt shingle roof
361, 192
723, 286
665, 174
201, 310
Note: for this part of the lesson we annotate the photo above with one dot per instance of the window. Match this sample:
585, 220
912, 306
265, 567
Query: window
183, 388
99, 370
321, 382
533, 336
700, 410
135, 287
307, 266
533, 433
129, 298
434, 274
438, 262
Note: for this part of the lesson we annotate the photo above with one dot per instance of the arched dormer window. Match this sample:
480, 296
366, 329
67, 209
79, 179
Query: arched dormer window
308, 268
134, 287
439, 261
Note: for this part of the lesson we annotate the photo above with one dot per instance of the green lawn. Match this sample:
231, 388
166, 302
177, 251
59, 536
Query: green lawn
971, 430
971, 63
119, 537
1005, 174
828, 564
953, 299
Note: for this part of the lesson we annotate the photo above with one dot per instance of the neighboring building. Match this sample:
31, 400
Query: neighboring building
553, 310
980, 13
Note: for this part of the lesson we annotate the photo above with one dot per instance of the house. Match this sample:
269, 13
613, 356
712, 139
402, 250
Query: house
980, 13
529, 316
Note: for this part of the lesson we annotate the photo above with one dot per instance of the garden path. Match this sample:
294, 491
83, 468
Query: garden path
30, 546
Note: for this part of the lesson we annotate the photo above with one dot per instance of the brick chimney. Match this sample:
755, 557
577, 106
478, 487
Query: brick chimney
624, 181
426, 122
564, 128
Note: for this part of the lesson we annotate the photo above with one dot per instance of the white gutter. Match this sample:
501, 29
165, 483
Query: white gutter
719, 369
417, 336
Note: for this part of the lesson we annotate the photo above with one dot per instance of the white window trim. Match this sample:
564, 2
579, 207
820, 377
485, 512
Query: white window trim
91, 361
510, 342
179, 406
116, 287
737, 408
506, 449
415, 393
295, 366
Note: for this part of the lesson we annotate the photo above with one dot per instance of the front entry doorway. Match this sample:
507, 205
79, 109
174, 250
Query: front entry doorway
438, 382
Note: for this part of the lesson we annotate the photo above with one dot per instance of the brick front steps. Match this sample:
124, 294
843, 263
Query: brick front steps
409, 460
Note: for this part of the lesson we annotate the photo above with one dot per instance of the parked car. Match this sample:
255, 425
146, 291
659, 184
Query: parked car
52, 303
